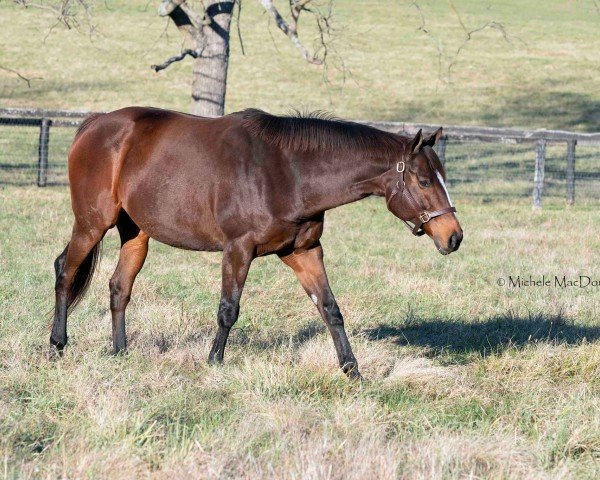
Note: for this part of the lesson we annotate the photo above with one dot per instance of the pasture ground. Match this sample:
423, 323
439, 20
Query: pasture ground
464, 378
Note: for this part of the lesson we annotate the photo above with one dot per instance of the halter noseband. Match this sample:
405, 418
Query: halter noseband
424, 216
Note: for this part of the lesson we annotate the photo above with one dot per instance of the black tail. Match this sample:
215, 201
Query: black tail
83, 276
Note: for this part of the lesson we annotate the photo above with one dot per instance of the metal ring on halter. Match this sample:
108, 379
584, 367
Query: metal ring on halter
398, 167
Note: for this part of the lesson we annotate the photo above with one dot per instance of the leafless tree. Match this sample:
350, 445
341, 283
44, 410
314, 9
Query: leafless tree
205, 27
206, 33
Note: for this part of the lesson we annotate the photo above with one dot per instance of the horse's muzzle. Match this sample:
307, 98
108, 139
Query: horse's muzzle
451, 245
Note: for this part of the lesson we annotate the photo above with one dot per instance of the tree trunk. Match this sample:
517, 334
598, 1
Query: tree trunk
210, 68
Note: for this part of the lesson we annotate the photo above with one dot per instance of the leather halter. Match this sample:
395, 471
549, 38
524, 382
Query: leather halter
424, 216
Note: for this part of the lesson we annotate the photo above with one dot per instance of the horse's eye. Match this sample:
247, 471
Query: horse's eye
425, 183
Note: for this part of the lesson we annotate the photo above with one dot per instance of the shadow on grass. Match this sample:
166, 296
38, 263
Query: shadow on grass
165, 341
492, 335
542, 104
459, 337
548, 107
302, 336
439, 337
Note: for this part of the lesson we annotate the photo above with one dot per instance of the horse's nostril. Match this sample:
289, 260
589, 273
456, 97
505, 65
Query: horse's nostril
454, 241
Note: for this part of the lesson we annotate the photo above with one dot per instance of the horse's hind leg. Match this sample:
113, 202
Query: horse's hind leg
134, 247
74, 268
58, 337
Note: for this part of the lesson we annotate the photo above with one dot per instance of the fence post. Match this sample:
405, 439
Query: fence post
538, 177
571, 171
441, 149
43, 152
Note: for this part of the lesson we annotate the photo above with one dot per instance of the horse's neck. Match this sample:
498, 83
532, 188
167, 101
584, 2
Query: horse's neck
345, 179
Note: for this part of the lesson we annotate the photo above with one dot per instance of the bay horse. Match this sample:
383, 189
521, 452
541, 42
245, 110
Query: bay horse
247, 184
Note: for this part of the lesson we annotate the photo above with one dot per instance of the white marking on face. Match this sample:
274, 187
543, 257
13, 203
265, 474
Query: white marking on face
441, 179
314, 298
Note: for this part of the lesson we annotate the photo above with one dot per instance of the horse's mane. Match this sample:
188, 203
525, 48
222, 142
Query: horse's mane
319, 131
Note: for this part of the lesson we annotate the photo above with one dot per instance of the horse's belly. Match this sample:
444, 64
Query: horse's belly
175, 217
180, 237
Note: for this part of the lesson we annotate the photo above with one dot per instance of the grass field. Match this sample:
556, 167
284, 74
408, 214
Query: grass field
546, 76
464, 378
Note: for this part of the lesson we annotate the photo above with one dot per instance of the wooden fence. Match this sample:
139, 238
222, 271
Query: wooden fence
46, 119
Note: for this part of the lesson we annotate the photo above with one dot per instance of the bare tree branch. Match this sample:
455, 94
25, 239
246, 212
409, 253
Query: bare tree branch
469, 35
291, 29
20, 75
436, 41
66, 12
185, 19
238, 28
167, 6
176, 58
452, 60
189, 23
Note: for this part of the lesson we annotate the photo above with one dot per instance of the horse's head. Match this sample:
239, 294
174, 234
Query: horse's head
415, 192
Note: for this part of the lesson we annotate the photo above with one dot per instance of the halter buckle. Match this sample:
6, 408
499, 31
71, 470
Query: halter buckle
398, 167
424, 217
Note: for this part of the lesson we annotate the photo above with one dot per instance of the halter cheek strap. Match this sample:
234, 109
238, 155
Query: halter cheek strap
424, 216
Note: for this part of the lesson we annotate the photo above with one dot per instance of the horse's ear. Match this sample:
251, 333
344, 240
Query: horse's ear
416, 143
432, 139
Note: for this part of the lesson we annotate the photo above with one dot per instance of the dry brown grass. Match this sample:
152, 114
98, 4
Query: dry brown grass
502, 384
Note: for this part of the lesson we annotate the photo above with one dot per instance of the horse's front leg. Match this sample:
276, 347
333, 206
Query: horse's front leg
310, 270
237, 257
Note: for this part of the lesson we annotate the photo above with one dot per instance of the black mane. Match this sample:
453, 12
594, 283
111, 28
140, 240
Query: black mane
319, 131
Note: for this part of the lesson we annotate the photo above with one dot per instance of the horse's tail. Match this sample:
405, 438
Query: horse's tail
83, 276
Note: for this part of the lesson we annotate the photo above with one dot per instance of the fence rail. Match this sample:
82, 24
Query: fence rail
484, 134
464, 141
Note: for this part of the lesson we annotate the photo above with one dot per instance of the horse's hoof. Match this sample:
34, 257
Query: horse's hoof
352, 372
59, 344
215, 361
54, 353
